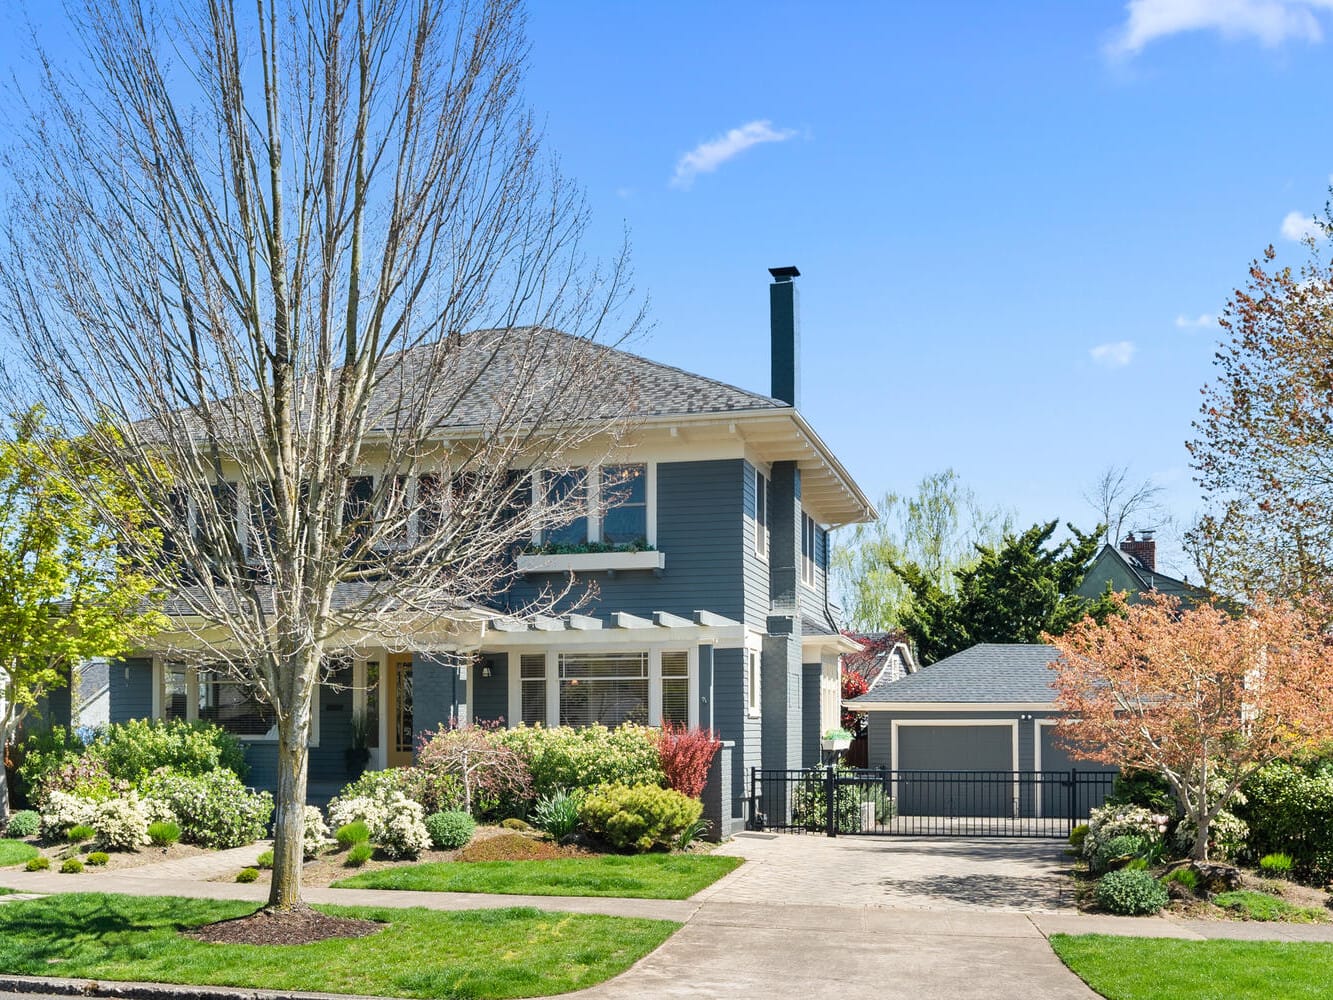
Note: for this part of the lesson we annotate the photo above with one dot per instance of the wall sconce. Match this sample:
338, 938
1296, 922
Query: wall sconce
1025, 717
486, 668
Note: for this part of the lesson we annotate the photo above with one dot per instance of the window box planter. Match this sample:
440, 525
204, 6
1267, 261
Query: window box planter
838, 743
592, 562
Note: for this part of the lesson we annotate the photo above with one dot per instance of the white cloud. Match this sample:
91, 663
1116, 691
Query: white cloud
1184, 322
1272, 22
1296, 227
1116, 354
708, 156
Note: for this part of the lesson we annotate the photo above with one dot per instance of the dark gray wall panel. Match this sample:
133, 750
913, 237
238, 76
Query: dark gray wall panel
491, 694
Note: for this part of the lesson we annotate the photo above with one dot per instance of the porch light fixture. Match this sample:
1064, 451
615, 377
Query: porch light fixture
486, 670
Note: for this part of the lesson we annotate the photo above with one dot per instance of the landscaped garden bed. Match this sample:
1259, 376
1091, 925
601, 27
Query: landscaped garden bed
514, 952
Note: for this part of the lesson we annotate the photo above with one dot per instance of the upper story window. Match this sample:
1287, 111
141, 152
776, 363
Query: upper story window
624, 493
760, 514
809, 548
570, 491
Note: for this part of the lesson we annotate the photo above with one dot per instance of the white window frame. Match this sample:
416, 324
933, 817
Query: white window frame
514, 715
192, 704
761, 532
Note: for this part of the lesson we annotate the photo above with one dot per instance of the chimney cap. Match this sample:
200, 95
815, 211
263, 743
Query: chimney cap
784, 273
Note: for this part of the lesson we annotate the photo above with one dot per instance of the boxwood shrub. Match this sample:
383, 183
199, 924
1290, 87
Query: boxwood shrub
450, 830
24, 823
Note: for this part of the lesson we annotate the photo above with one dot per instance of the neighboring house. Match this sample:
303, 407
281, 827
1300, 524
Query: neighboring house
710, 611
882, 654
1131, 568
990, 708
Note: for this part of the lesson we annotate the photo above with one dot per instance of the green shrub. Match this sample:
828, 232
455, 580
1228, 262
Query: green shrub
1288, 812
24, 823
809, 804
40, 754
1131, 893
1185, 876
247, 875
640, 817
358, 855
214, 810
1111, 821
164, 833
450, 830
133, 750
557, 814
80, 834
1145, 789
1136, 865
38, 864
97, 858
1117, 850
565, 757
514, 823
72, 866
1077, 836
349, 834
1276, 864
265, 859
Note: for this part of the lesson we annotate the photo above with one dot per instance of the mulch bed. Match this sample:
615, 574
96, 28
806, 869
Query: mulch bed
299, 926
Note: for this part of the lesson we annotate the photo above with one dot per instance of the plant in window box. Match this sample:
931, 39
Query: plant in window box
836, 739
357, 755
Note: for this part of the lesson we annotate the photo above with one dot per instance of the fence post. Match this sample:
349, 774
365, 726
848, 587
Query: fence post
754, 801
830, 813
1073, 798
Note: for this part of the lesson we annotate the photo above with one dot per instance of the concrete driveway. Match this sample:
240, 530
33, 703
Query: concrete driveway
817, 917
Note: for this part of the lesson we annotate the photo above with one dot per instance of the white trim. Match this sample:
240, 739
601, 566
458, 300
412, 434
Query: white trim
593, 489
754, 683
761, 531
952, 706
692, 687
1036, 761
552, 691
650, 496
159, 688
590, 562
655, 685
1013, 751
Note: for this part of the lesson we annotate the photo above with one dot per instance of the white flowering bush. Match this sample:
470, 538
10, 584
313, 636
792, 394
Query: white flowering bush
397, 823
404, 834
1109, 822
214, 809
120, 823
1227, 835
62, 811
156, 811
315, 834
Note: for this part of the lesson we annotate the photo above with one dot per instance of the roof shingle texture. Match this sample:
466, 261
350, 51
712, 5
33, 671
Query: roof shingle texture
986, 673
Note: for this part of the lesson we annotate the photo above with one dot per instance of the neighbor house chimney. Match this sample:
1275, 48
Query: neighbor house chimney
1144, 549
785, 323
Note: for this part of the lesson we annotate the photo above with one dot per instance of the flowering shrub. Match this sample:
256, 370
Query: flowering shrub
315, 834
63, 811
685, 755
854, 684
133, 750
565, 758
157, 810
638, 818
214, 810
396, 823
1227, 834
1117, 821
491, 774
120, 823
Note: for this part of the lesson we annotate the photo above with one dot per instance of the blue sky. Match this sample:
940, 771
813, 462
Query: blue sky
1014, 221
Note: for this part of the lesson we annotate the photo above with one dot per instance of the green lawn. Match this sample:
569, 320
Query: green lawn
642, 876
15, 852
1126, 968
515, 952
1262, 906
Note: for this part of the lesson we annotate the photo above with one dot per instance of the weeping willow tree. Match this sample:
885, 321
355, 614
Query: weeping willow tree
296, 268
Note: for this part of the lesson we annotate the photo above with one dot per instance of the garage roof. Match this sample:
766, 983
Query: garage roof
987, 674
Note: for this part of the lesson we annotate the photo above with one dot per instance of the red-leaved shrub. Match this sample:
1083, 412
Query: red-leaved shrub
853, 686
686, 755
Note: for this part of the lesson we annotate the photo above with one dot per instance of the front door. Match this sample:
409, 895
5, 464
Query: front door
401, 733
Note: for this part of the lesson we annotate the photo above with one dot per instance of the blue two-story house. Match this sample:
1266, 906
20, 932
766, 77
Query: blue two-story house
710, 605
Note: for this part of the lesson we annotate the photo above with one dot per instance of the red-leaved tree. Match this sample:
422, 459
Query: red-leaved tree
853, 686
686, 754
1201, 696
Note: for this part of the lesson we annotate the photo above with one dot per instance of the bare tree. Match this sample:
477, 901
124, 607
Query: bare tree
1119, 502
245, 245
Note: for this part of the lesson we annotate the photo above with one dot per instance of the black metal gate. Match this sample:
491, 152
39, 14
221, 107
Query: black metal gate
838, 801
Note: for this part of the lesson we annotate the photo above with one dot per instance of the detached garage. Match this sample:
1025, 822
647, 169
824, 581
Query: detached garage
972, 735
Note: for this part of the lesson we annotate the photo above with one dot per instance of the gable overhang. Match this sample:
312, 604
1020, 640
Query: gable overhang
828, 643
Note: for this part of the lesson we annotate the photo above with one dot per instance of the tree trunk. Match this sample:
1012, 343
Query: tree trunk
289, 824
1200, 850
4, 788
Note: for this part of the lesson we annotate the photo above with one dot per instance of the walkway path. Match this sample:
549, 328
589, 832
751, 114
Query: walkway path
808, 917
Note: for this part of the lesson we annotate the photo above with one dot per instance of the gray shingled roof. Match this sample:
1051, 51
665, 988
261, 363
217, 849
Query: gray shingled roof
986, 673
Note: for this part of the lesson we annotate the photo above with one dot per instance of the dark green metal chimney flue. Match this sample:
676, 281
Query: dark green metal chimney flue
785, 323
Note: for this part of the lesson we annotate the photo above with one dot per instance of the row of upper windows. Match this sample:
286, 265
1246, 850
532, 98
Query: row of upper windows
810, 532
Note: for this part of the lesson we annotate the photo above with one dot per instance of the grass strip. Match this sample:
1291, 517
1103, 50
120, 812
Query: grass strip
15, 852
1261, 906
1129, 968
637, 876
514, 952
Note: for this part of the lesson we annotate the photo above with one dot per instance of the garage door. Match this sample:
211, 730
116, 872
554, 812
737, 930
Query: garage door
1055, 792
969, 770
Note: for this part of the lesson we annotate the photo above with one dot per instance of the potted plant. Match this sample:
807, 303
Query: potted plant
357, 756
836, 739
